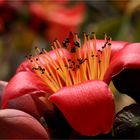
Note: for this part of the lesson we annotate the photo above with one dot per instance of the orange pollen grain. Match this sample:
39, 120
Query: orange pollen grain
83, 65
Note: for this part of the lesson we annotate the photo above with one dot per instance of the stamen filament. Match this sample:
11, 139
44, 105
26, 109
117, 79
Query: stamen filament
78, 67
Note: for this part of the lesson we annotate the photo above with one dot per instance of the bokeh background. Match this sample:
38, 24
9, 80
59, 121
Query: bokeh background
25, 24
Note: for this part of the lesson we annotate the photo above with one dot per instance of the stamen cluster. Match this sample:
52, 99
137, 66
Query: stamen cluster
84, 63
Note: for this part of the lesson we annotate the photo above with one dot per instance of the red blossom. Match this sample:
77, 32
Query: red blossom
57, 16
84, 105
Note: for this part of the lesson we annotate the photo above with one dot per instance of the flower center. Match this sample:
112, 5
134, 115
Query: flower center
81, 64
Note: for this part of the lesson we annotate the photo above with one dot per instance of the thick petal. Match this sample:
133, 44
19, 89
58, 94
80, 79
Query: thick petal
127, 58
29, 104
115, 47
2, 87
88, 107
16, 124
24, 83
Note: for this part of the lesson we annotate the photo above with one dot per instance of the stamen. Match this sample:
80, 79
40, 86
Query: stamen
79, 67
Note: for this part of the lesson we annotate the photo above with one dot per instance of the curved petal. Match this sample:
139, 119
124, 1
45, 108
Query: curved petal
128, 57
88, 107
29, 104
15, 124
24, 83
2, 87
115, 47
25, 66
125, 71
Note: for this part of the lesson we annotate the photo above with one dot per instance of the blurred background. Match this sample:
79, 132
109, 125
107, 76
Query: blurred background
25, 24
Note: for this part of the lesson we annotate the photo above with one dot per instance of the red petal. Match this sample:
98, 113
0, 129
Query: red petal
88, 107
24, 83
28, 104
128, 57
115, 47
25, 66
2, 2
16, 124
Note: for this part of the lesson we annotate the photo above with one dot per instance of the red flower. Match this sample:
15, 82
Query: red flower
58, 16
72, 79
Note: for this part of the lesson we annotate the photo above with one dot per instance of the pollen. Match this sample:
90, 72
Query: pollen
84, 63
